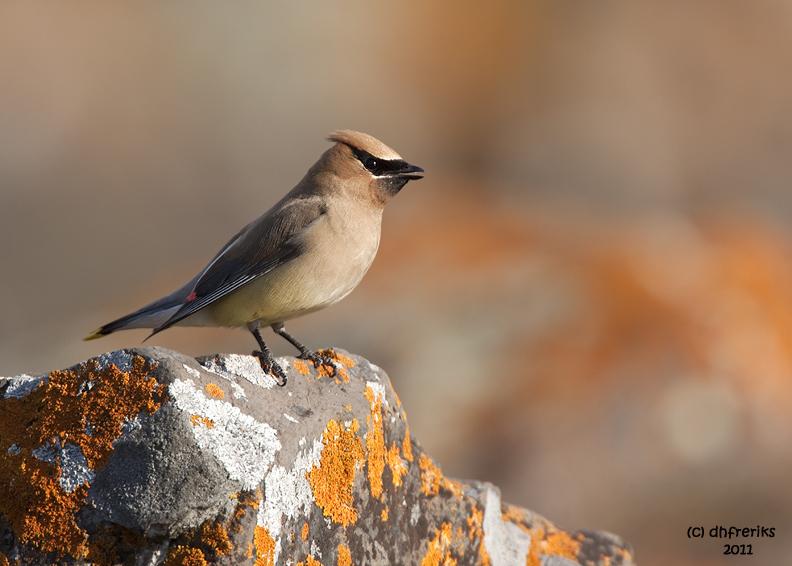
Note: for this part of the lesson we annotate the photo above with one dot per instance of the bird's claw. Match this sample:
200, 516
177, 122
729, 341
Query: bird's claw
271, 367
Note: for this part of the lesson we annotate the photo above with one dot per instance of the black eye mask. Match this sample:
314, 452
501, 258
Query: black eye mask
386, 167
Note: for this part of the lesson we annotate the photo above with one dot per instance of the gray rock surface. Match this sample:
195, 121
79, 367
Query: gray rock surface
146, 456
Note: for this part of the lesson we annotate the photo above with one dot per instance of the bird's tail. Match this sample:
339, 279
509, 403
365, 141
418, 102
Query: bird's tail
150, 316
98, 333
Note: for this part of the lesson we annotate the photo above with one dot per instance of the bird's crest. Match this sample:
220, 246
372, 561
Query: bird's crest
365, 142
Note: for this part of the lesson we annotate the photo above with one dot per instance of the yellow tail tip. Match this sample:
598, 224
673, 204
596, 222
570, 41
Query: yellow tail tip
94, 335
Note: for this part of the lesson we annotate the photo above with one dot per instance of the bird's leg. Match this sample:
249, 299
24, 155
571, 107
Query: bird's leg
268, 363
306, 354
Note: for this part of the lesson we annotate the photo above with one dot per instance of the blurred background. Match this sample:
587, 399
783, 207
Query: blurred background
588, 299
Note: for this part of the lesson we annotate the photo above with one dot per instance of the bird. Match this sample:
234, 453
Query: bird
307, 252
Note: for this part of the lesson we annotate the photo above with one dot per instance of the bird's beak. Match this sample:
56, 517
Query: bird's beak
408, 172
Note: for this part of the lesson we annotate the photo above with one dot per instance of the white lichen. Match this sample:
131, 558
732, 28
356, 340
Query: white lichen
71, 461
379, 392
192, 371
246, 367
245, 446
236, 389
120, 358
23, 384
287, 493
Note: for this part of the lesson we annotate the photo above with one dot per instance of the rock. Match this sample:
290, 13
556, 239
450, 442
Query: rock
147, 457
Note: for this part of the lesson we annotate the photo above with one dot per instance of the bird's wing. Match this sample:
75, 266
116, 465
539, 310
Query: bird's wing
260, 247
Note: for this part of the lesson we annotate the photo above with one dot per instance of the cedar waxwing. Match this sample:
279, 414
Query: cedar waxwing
304, 254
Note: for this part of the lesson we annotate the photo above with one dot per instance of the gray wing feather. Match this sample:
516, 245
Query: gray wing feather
260, 247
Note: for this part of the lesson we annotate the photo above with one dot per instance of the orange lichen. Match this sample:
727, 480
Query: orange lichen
475, 522
348, 407
431, 476
454, 487
249, 552
198, 420
623, 552
102, 549
3, 560
100, 555
396, 465
384, 514
375, 443
476, 525
332, 480
345, 361
246, 499
432, 479
439, 546
561, 544
105, 544
265, 547
514, 514
214, 391
549, 540
310, 561
518, 516
302, 367
305, 531
407, 444
185, 556
84, 407
484, 557
252, 500
534, 554
344, 556
209, 541
324, 371
215, 537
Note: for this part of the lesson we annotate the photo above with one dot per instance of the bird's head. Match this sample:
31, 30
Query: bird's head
369, 164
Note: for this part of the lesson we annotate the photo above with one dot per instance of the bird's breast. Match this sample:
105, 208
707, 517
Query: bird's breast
342, 253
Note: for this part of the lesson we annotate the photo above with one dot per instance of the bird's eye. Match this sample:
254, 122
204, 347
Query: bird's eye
370, 164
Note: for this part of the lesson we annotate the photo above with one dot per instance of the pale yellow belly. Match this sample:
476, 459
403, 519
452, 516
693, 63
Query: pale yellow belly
299, 287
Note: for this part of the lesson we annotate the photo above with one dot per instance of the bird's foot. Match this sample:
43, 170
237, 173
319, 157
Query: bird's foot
270, 366
319, 360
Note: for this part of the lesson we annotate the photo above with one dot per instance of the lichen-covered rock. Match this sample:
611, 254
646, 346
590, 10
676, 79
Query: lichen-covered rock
147, 457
